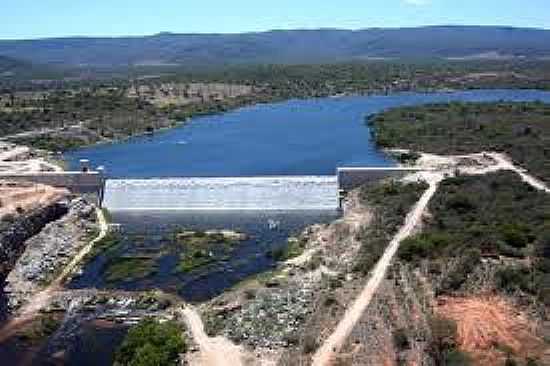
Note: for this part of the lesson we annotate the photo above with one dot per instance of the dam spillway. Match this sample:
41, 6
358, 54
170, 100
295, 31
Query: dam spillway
227, 193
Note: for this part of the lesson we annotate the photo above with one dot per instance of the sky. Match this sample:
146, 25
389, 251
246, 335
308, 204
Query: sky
23, 19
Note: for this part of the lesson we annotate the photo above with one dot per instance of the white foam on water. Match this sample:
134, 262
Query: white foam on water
235, 193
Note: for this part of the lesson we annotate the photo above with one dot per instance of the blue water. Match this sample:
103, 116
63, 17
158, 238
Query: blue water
146, 232
296, 137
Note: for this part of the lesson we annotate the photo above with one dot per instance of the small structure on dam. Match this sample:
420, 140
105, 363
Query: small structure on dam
82, 181
350, 178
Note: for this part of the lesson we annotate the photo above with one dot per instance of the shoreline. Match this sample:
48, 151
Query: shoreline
276, 99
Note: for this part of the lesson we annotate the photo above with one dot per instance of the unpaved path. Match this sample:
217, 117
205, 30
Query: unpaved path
327, 352
442, 166
40, 300
213, 351
506, 164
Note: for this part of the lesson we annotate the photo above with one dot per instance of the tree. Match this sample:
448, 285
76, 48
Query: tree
151, 343
443, 338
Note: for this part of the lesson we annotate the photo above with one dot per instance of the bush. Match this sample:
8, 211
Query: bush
151, 343
443, 339
423, 246
515, 235
513, 278
458, 358
400, 339
309, 343
510, 362
390, 202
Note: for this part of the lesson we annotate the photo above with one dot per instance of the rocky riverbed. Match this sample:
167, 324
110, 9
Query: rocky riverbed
271, 311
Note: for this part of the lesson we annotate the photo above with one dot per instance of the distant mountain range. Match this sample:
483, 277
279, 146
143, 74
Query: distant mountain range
284, 47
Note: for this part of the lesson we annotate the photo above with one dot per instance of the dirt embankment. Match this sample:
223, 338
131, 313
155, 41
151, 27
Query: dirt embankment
18, 198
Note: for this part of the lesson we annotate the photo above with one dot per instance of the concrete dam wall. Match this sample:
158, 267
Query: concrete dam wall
239, 193
354, 177
77, 182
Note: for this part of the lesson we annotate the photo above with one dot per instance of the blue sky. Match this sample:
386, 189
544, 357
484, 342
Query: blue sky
53, 18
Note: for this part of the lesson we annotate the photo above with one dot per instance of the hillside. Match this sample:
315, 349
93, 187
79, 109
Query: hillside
285, 46
10, 66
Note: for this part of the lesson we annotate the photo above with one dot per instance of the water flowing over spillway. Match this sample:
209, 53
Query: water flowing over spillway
239, 193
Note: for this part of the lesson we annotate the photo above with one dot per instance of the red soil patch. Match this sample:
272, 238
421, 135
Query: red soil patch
16, 198
488, 326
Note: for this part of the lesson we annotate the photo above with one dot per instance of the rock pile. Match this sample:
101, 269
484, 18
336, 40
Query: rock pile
49, 251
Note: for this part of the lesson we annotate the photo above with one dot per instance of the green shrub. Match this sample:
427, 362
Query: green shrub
443, 338
458, 358
423, 245
515, 235
513, 278
151, 343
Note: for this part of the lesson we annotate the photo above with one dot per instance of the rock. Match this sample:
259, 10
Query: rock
48, 251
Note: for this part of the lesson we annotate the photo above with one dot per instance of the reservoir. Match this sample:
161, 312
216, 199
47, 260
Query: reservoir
298, 137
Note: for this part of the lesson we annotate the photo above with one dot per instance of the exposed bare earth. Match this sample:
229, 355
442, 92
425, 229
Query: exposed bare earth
486, 324
326, 354
16, 198
440, 167
216, 351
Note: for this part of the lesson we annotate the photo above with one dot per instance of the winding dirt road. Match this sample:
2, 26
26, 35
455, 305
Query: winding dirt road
326, 354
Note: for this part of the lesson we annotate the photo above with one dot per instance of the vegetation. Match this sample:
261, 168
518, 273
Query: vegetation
83, 116
84, 112
492, 215
193, 259
390, 202
41, 328
522, 130
197, 249
400, 339
443, 343
293, 248
151, 343
130, 269
109, 242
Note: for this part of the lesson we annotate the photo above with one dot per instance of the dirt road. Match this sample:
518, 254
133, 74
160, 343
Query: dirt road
213, 351
446, 166
327, 352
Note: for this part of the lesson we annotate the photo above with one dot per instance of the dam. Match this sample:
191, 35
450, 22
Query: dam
226, 193
241, 193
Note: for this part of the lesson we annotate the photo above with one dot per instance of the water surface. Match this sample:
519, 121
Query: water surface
147, 234
296, 137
